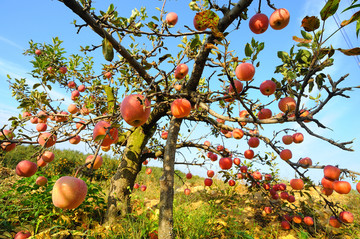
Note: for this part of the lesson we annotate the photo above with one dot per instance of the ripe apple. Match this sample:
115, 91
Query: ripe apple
253, 142
287, 139
136, 185
308, 221
249, 154
237, 133
291, 199
279, 19
47, 139
100, 132
41, 127
342, 187
71, 84
62, 118
297, 219
243, 169
26, 114
332, 172
275, 196
133, 110
188, 175
225, 163
75, 94
164, 135
305, 162
286, 154
207, 143
282, 186
108, 75
213, 157
237, 161
210, 173
81, 88
346, 217
267, 210
63, 70
266, 186
7, 146
68, 192
171, 18
148, 171
75, 140
105, 148
73, 109
34, 120
287, 104
181, 71
41, 181
285, 225
268, 87
228, 134
284, 195
297, 183
177, 87
327, 191
208, 182
231, 183
41, 163
257, 175
298, 138
243, 114
238, 86
220, 148
145, 162
22, 235
259, 23
38, 52
48, 156
358, 187
143, 188
26, 168
245, 71
268, 177
80, 124
327, 183
333, 221
187, 191
50, 70
98, 161
264, 114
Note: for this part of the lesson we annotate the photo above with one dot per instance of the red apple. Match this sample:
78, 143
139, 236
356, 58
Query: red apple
282, 187
287, 104
346, 217
68, 192
286, 154
327, 191
237, 133
358, 187
41, 163
231, 183
26, 168
297, 219
136, 186
245, 71
81, 88
268, 87
332, 172
225, 163
253, 142
71, 84
210, 173
291, 199
145, 162
327, 183
305, 162
268, 177
237, 161
333, 221
298, 138
177, 87
41, 127
259, 23
267, 210
143, 188
75, 140
309, 221
48, 156
100, 132
47, 139
264, 114
207, 143
50, 70
257, 175
208, 182
63, 70
80, 124
171, 18
148, 171
98, 161
342, 187
22, 235
164, 135
75, 94
284, 195
297, 183
279, 19
285, 225
249, 154
135, 110
73, 109
41, 181
38, 52
187, 191
181, 71
287, 139
243, 169
220, 148
26, 114
266, 186
180, 108
188, 175
213, 157
108, 75
238, 86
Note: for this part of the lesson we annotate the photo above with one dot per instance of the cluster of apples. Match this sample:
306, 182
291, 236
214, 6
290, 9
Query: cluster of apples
148, 171
9, 135
279, 19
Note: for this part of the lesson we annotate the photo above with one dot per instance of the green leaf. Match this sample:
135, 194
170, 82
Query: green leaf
351, 7
329, 9
306, 35
248, 50
36, 85
284, 56
107, 49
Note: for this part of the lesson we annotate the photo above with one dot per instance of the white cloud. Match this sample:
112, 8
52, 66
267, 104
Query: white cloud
7, 41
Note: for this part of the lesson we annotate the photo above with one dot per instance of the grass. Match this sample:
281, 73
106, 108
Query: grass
220, 211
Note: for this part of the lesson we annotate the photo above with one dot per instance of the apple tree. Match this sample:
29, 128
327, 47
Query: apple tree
149, 89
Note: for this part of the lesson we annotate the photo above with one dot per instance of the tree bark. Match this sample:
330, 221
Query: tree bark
166, 222
123, 180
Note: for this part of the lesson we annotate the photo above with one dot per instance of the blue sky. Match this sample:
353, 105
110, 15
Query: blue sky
42, 19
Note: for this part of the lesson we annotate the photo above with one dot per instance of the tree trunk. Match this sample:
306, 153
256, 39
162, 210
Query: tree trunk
123, 180
167, 182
